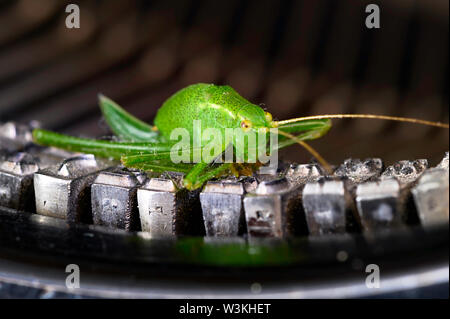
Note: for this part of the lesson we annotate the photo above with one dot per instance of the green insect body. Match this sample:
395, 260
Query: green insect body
218, 107
215, 106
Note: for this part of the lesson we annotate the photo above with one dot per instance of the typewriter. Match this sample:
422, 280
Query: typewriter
291, 233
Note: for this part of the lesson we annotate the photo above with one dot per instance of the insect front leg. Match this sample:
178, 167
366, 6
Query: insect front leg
203, 172
207, 169
196, 174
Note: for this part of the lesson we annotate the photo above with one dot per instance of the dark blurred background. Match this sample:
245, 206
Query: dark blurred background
295, 58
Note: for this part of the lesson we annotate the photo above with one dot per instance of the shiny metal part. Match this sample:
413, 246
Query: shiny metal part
167, 210
273, 209
49, 156
14, 137
18, 132
304, 173
377, 204
358, 171
405, 172
64, 190
16, 181
8, 147
222, 208
431, 196
444, 163
113, 198
324, 204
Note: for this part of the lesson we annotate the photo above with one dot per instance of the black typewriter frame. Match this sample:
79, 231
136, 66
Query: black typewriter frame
35, 250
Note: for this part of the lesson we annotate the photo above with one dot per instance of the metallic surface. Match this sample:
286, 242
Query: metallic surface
166, 210
378, 205
63, 191
304, 173
14, 137
358, 171
272, 210
223, 211
228, 266
431, 196
113, 198
16, 181
406, 172
325, 205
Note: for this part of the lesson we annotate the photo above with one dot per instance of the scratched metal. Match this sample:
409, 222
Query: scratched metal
64, 190
113, 198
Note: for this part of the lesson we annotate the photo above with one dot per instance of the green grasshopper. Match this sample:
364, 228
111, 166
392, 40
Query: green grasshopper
151, 148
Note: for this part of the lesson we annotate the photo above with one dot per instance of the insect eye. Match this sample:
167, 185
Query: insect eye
268, 117
246, 125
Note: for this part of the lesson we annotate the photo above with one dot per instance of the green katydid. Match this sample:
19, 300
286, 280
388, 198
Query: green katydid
150, 147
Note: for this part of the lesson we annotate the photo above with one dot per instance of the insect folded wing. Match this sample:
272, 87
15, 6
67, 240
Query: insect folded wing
124, 125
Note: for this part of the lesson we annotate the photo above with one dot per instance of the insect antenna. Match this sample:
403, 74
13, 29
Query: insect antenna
364, 116
311, 150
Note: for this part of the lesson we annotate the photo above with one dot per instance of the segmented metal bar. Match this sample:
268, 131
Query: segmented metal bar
294, 200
